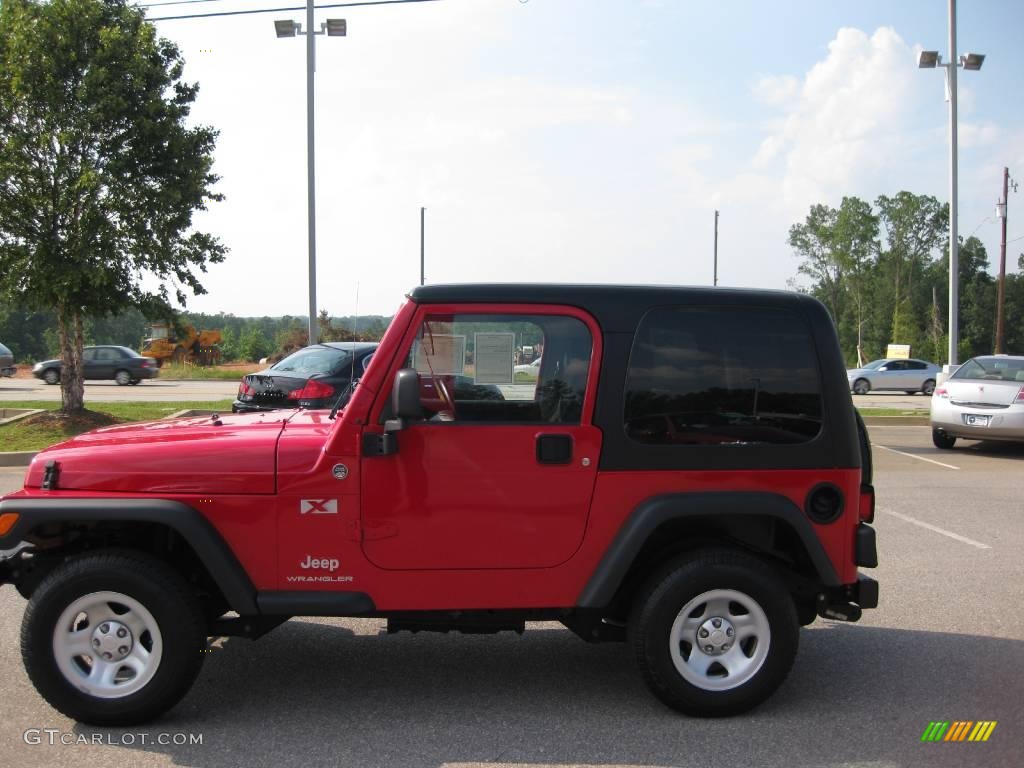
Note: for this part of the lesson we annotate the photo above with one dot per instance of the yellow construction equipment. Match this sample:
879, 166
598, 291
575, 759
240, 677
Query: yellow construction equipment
182, 345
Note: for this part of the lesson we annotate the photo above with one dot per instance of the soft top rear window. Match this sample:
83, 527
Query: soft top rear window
722, 376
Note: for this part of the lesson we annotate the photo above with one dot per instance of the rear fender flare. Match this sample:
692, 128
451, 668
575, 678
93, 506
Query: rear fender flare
650, 514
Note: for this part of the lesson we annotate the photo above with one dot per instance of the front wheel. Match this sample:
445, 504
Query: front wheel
861, 387
928, 387
51, 376
112, 639
714, 635
941, 440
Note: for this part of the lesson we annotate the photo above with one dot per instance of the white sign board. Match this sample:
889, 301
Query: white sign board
492, 357
440, 354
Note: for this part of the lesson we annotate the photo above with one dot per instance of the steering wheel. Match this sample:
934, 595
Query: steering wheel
447, 401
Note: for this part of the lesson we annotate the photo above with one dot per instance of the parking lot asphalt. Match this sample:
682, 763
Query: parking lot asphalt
946, 643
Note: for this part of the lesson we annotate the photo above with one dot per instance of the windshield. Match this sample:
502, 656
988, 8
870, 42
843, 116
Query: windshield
313, 360
874, 364
991, 369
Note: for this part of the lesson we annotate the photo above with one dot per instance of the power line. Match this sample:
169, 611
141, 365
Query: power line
176, 2
289, 8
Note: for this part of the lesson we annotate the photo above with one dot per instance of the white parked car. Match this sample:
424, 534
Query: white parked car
909, 376
527, 372
983, 400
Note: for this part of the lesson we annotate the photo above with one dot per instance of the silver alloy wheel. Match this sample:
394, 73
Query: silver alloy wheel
861, 387
123, 378
107, 645
929, 387
51, 376
720, 640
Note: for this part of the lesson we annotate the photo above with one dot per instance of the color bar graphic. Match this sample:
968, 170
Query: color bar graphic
958, 730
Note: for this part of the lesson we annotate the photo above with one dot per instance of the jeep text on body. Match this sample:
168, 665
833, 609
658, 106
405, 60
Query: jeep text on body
687, 474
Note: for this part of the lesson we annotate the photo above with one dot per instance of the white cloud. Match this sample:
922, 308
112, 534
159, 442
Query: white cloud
848, 121
776, 90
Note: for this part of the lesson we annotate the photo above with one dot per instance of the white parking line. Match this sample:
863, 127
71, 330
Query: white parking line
914, 456
935, 528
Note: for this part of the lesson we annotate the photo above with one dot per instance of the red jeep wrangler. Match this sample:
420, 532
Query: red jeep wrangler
687, 473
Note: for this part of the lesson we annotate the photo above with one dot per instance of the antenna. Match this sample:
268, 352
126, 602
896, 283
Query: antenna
355, 340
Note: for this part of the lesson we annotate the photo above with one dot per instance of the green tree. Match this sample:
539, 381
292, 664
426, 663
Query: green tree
914, 227
99, 174
254, 345
838, 246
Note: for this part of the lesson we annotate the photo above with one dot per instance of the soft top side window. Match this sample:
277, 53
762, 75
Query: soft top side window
722, 376
484, 368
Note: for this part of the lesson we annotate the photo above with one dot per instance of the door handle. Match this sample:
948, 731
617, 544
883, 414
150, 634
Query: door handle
554, 449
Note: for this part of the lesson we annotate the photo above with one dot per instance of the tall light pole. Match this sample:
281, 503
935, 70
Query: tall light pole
289, 28
969, 61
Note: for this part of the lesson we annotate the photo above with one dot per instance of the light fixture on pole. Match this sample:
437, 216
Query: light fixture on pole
332, 28
973, 62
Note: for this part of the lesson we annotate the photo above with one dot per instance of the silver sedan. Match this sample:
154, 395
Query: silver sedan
893, 374
983, 400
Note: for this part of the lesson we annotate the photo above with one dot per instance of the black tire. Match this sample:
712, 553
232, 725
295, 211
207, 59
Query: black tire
51, 376
134, 382
928, 387
941, 440
160, 591
122, 377
861, 387
661, 602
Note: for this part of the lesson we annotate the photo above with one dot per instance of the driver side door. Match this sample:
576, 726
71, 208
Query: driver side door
495, 474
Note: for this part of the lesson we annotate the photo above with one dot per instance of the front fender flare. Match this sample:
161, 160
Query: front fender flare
209, 546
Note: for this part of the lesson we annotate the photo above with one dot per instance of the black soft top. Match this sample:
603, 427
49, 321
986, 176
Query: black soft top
617, 308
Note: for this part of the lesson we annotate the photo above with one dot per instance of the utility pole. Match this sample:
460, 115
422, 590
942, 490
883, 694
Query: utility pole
715, 278
423, 215
1001, 213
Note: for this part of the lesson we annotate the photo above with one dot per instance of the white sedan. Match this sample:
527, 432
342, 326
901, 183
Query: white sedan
983, 400
527, 372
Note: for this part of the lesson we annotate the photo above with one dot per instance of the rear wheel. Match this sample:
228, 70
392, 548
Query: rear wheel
714, 635
861, 387
942, 440
123, 378
133, 382
928, 387
112, 639
51, 376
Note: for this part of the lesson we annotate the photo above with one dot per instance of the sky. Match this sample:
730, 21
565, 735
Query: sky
581, 140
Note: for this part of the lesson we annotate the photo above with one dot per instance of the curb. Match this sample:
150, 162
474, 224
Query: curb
16, 458
897, 421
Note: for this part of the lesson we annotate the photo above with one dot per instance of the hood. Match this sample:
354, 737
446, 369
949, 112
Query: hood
233, 455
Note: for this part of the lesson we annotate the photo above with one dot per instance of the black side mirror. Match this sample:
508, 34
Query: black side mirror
405, 399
